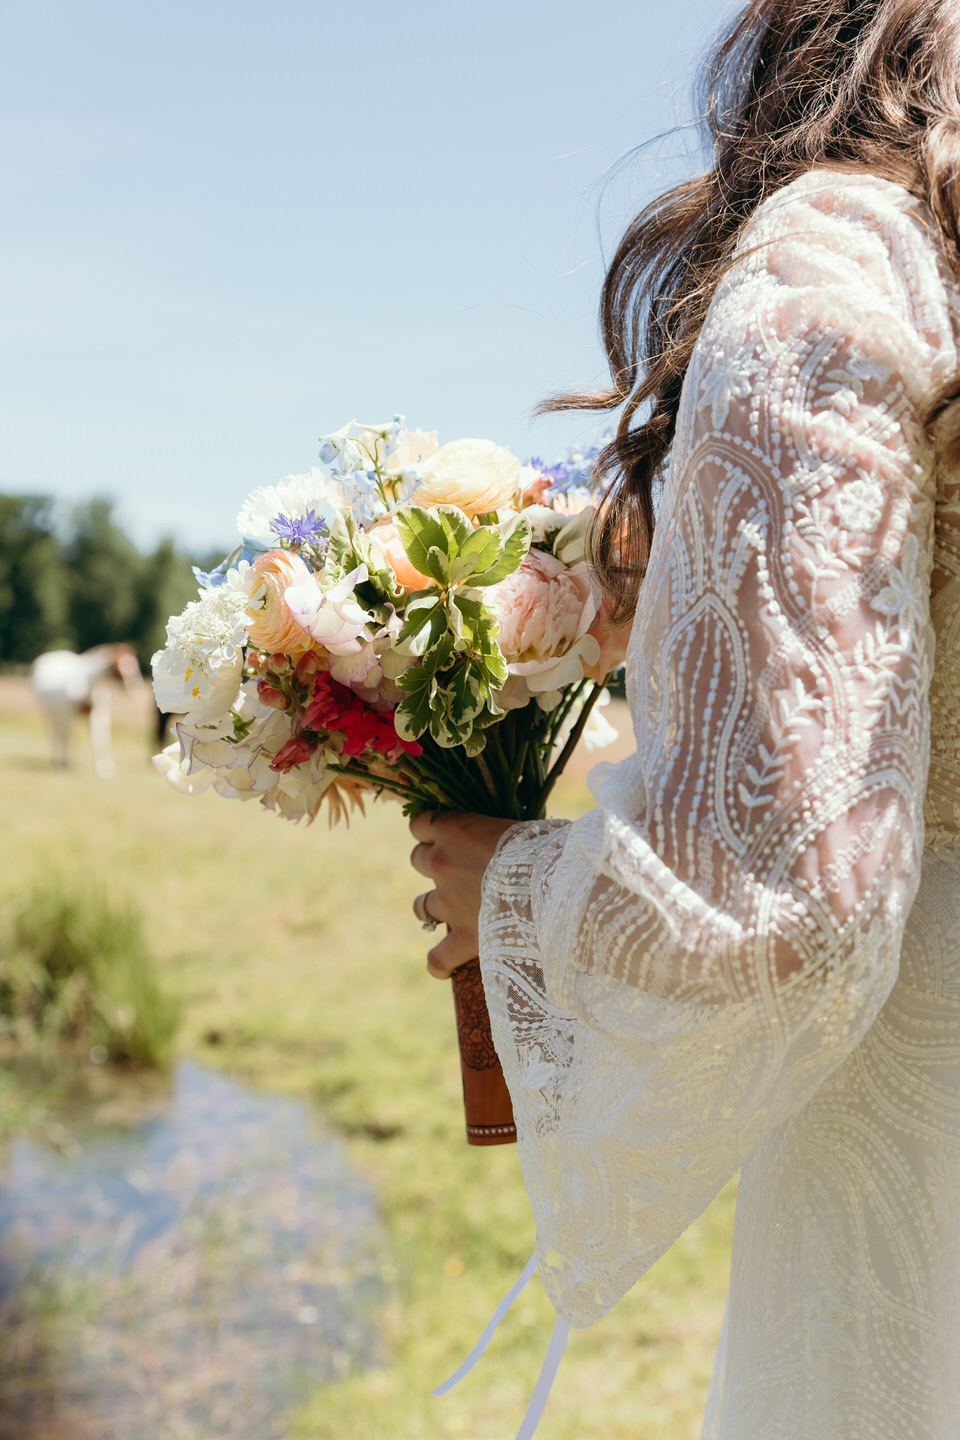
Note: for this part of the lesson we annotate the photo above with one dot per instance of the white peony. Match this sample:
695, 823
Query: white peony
293, 497
200, 669
545, 612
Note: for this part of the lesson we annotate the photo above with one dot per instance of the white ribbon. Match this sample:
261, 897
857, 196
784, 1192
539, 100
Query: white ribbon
491, 1330
548, 1372
541, 1391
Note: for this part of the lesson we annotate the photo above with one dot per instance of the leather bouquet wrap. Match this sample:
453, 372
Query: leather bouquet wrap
486, 1099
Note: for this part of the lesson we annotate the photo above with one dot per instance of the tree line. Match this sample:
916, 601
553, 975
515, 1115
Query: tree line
71, 583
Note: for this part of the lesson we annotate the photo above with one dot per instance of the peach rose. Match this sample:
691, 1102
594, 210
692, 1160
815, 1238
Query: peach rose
474, 475
387, 537
271, 625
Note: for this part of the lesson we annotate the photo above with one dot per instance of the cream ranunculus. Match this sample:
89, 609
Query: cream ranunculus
475, 475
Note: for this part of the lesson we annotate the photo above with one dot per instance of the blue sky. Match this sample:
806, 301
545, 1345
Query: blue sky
229, 227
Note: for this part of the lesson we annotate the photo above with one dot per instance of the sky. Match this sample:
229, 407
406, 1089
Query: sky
230, 227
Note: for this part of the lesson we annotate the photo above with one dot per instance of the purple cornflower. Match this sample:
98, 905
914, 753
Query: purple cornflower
298, 529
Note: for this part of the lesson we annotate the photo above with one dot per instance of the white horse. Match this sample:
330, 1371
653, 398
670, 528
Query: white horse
67, 685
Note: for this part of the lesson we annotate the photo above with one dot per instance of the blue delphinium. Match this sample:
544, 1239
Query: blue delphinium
575, 471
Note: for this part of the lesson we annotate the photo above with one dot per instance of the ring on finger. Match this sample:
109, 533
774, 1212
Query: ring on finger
422, 912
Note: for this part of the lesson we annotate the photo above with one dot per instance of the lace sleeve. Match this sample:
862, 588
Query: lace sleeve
679, 970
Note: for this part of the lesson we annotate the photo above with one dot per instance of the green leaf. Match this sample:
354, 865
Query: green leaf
416, 678
439, 566
516, 545
455, 623
464, 697
412, 715
421, 645
382, 579
419, 530
480, 551
456, 526
491, 664
446, 733
420, 614
438, 657
467, 618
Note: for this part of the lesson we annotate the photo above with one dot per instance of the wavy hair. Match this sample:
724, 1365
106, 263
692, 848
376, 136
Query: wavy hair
791, 84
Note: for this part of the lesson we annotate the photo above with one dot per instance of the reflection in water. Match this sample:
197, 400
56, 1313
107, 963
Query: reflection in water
183, 1277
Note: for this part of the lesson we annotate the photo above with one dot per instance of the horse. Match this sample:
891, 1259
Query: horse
67, 685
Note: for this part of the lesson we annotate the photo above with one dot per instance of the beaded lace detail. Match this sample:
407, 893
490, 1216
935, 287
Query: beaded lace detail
748, 954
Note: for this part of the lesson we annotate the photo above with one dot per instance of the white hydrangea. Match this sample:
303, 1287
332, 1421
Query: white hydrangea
200, 669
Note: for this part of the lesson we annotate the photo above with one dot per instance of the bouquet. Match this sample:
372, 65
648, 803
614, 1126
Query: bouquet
407, 620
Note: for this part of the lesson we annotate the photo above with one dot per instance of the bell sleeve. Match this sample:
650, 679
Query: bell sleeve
679, 970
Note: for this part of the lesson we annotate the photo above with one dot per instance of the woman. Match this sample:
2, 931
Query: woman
749, 953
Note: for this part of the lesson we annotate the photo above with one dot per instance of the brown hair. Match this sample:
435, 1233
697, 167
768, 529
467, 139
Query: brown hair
790, 85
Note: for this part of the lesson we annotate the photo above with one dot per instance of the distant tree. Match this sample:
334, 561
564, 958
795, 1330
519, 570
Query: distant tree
34, 599
166, 584
104, 571
85, 583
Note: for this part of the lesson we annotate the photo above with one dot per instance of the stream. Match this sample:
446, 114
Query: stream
194, 1262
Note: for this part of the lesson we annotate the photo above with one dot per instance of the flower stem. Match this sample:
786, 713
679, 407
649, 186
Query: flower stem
557, 768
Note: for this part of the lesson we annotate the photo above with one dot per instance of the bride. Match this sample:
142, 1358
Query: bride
748, 955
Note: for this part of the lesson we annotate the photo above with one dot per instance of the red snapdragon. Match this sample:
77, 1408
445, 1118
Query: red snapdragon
296, 752
335, 708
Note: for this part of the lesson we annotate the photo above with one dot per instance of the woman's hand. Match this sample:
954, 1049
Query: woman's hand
453, 851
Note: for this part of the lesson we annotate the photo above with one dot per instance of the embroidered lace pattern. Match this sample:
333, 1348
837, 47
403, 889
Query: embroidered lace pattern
749, 953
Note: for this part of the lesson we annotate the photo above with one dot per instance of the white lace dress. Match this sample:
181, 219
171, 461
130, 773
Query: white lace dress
749, 953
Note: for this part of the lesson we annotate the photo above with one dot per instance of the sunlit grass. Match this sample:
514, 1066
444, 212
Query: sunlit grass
74, 966
298, 966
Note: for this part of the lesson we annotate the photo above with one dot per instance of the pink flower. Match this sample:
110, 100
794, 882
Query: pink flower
546, 611
268, 695
296, 752
414, 446
534, 493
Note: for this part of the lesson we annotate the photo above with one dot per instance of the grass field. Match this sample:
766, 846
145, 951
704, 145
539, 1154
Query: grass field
299, 968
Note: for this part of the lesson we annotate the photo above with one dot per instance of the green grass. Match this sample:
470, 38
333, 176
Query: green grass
298, 966
74, 966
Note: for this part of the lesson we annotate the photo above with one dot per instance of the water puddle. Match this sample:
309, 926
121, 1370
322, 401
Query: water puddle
187, 1272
